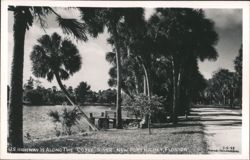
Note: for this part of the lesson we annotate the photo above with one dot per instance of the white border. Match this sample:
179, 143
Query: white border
245, 5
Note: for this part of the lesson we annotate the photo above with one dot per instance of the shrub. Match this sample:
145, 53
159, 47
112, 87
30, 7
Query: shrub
67, 118
144, 106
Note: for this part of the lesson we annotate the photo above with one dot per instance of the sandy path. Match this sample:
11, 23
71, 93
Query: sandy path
222, 129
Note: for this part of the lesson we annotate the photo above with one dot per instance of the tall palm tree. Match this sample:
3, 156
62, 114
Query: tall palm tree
181, 34
54, 57
23, 19
130, 74
99, 18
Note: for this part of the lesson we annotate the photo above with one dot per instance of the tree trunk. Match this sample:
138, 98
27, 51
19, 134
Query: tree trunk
147, 80
232, 99
136, 83
224, 99
144, 85
177, 99
173, 115
147, 117
94, 128
16, 92
118, 64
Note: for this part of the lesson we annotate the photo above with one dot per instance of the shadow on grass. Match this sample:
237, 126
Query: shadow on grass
222, 114
188, 132
229, 124
57, 143
218, 107
169, 125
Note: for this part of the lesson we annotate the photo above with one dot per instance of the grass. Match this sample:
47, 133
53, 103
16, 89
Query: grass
185, 138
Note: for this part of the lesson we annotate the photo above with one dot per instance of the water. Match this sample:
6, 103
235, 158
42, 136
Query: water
39, 125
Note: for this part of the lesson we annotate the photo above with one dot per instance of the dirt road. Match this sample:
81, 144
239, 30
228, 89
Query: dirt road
222, 129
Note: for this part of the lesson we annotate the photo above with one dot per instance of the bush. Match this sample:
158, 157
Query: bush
145, 107
67, 118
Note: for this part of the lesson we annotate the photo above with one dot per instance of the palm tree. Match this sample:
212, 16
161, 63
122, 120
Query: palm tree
225, 83
130, 74
99, 18
238, 70
54, 57
181, 34
23, 19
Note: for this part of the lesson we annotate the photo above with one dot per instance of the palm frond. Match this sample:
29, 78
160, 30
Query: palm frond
55, 41
63, 74
50, 76
111, 57
70, 57
112, 82
74, 27
39, 62
94, 19
54, 115
40, 13
45, 42
113, 72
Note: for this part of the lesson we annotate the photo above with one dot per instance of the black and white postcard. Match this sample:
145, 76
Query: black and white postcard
124, 79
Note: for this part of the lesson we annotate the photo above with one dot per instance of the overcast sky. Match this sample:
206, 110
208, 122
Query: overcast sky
228, 24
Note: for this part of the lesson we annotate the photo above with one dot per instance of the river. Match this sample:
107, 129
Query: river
39, 125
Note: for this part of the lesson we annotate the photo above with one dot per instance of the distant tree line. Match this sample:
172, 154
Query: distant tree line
225, 87
36, 94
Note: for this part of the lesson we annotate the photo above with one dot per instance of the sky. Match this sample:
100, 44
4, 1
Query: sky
94, 71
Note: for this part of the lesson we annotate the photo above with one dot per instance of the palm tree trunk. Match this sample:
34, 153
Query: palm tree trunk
224, 99
144, 85
16, 92
147, 81
232, 99
148, 116
118, 63
177, 99
173, 115
136, 83
94, 128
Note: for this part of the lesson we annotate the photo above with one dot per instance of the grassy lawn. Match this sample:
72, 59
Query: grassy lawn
186, 138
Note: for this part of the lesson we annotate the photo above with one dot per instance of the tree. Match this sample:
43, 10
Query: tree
238, 63
131, 72
35, 97
30, 84
145, 106
224, 84
98, 18
81, 91
54, 57
238, 69
23, 19
181, 34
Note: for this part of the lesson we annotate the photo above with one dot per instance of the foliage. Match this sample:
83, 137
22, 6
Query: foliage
53, 96
142, 105
30, 84
67, 118
112, 18
238, 70
34, 97
222, 88
107, 96
52, 56
81, 92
